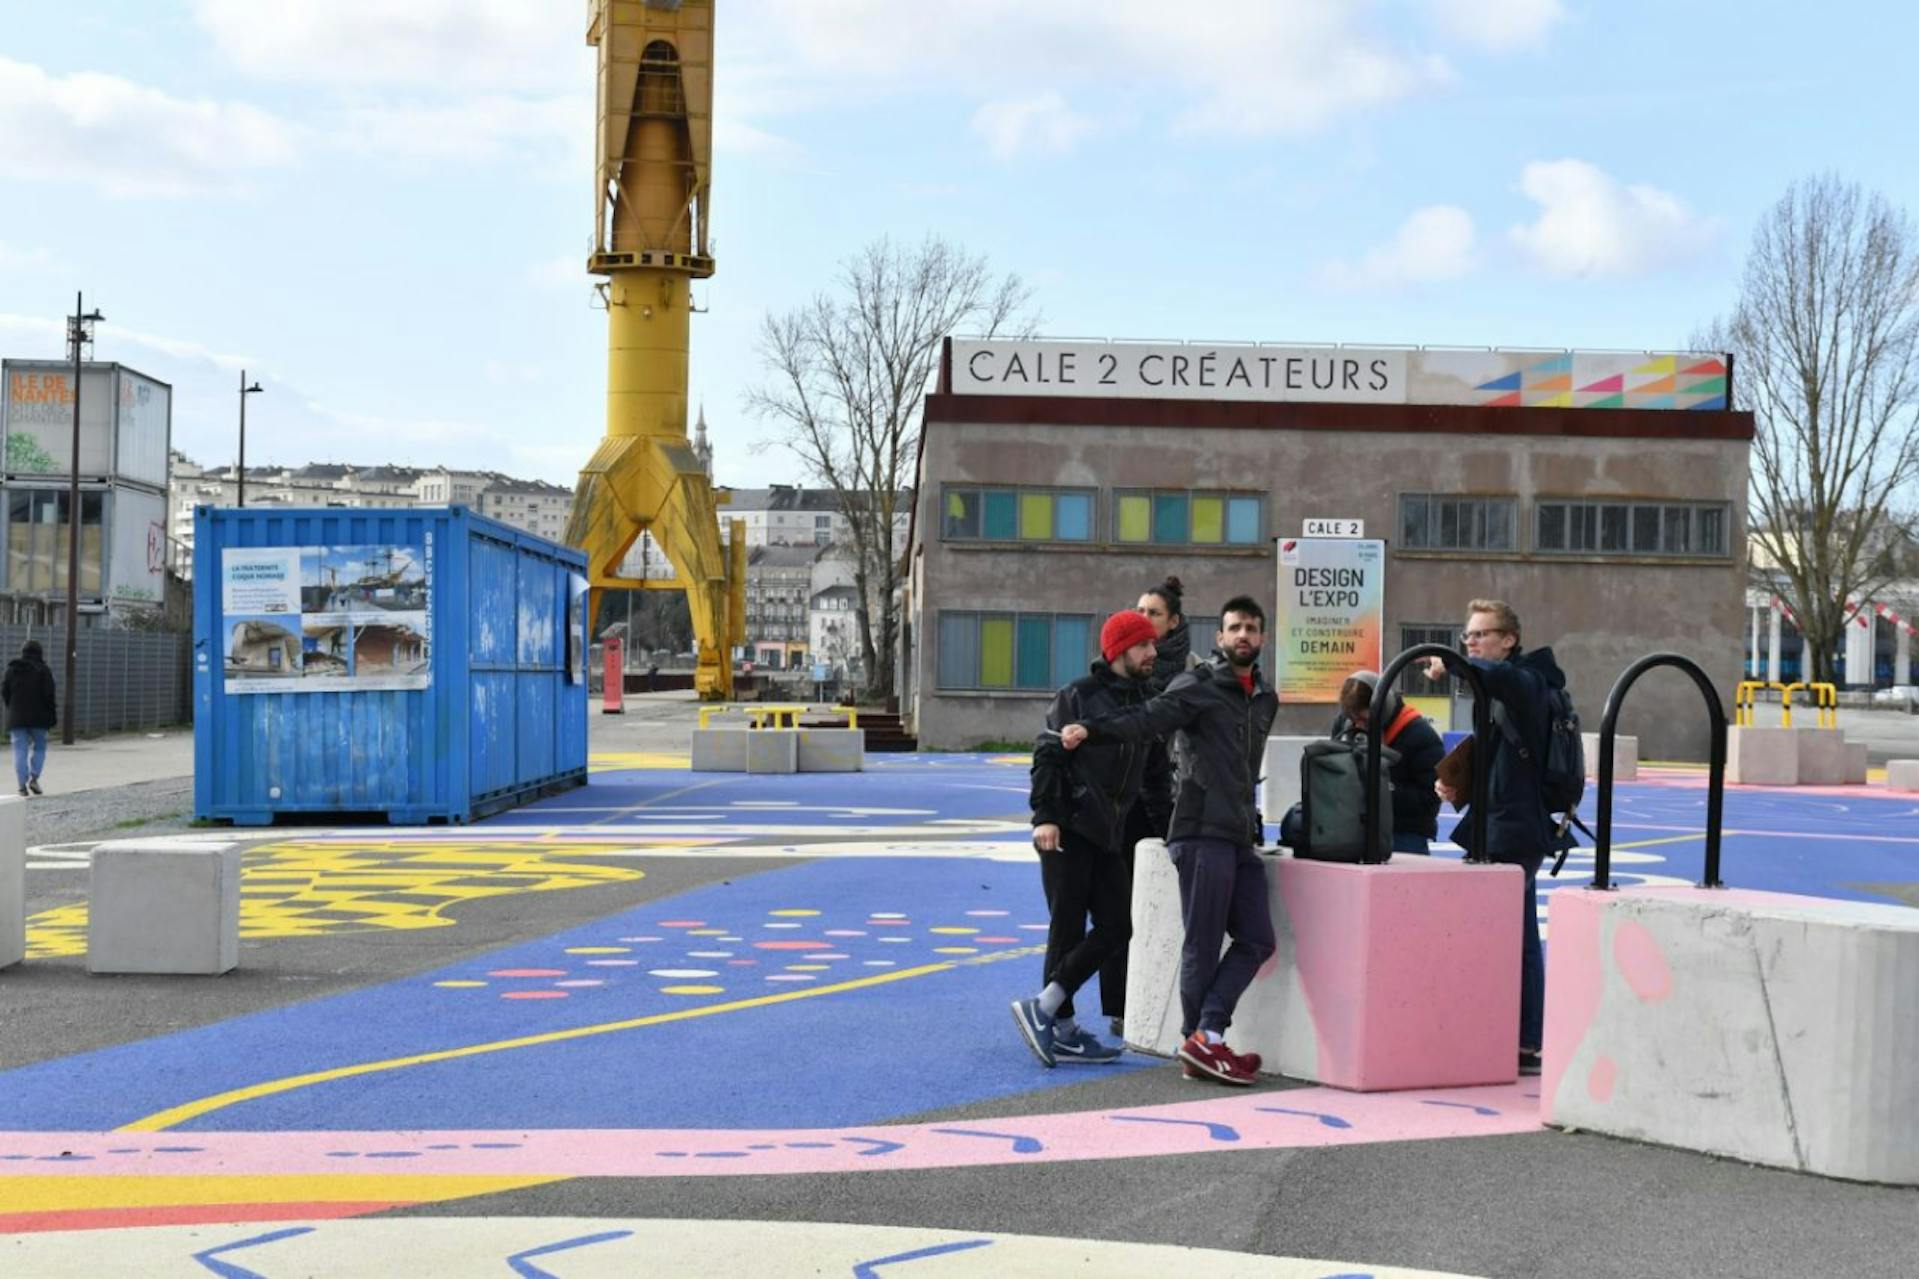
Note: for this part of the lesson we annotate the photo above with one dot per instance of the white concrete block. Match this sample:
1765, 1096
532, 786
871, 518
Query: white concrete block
1858, 763
1902, 774
832, 750
1152, 960
1625, 757
1822, 757
720, 750
1768, 1027
13, 880
157, 908
773, 750
1279, 790
1762, 756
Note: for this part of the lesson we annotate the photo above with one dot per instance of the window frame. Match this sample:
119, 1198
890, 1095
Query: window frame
1020, 623
1158, 500
1469, 511
1020, 493
1633, 513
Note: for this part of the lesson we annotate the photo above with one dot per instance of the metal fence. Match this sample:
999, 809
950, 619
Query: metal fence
126, 679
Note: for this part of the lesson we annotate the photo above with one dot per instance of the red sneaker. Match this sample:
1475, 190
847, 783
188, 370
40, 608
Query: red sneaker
1252, 1061
1212, 1061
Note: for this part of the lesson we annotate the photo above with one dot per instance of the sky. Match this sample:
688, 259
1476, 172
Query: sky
381, 209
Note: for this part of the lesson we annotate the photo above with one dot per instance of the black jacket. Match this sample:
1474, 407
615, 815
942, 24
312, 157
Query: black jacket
27, 689
1420, 748
1174, 657
1219, 746
1518, 827
1092, 791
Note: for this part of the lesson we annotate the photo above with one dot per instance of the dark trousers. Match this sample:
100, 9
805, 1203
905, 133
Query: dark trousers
1082, 879
1222, 892
1112, 973
1532, 970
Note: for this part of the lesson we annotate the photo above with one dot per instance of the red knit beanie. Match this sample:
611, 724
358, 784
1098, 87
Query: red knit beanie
1122, 631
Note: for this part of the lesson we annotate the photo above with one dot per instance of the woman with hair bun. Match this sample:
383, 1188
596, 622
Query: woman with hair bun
1163, 606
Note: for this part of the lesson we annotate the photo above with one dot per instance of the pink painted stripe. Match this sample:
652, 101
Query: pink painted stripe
1259, 1121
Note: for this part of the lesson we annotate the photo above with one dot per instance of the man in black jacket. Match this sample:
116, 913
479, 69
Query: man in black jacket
1219, 714
1414, 773
1081, 805
32, 709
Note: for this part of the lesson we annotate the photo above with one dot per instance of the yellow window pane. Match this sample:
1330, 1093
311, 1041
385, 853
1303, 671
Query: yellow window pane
955, 506
1209, 519
1036, 517
1135, 519
996, 652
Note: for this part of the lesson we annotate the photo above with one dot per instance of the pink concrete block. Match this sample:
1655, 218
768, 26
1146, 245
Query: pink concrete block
1404, 975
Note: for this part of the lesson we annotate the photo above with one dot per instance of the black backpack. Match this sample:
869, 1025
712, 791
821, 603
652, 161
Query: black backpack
1330, 825
1562, 773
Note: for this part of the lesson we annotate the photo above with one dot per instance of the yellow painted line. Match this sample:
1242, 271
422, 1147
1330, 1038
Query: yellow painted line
165, 1119
1663, 839
69, 1193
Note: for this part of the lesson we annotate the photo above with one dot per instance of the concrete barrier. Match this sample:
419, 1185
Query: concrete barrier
1762, 756
13, 880
1902, 774
832, 750
162, 908
1403, 975
1777, 1029
1822, 757
1858, 763
1279, 788
773, 750
1625, 756
720, 750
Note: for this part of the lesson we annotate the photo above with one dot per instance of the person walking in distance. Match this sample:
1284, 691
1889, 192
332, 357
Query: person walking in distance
1218, 714
1081, 803
32, 708
1519, 829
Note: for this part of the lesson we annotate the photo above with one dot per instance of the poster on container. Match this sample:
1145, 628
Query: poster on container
1330, 615
337, 619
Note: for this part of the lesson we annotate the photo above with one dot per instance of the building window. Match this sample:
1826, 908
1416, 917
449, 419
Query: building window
1171, 518
1431, 522
1018, 515
1412, 680
37, 542
1037, 651
1631, 528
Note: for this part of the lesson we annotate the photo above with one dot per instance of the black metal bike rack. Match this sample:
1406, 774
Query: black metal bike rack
1482, 732
1716, 783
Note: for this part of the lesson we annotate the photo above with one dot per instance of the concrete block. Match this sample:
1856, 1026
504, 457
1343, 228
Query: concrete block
832, 750
1768, 1027
773, 750
1822, 757
157, 908
1625, 756
1762, 756
13, 880
720, 750
1279, 789
1902, 774
1858, 763
1403, 975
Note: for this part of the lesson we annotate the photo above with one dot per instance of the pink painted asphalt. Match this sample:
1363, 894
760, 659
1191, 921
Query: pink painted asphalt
1261, 1120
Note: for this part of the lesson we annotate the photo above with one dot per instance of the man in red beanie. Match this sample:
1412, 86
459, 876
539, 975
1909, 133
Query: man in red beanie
1080, 807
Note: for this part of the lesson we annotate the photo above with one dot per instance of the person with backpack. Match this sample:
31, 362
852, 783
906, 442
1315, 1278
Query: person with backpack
1219, 715
1082, 804
32, 708
1412, 737
1531, 711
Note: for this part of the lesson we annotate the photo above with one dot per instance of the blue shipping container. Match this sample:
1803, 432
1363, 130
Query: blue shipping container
423, 663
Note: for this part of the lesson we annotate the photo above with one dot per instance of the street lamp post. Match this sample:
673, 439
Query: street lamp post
79, 333
245, 391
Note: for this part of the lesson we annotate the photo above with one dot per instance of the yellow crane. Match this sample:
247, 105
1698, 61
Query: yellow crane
650, 194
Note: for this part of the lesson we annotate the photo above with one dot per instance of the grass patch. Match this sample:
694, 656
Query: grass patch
133, 822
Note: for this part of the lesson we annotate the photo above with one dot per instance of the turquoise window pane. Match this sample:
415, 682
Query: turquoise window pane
1073, 517
1001, 516
1035, 669
1072, 647
1169, 518
1242, 520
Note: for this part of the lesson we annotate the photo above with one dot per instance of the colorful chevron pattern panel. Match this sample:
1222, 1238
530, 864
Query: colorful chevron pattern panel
1592, 380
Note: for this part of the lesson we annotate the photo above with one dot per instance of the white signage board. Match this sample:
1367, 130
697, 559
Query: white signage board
1179, 372
1335, 528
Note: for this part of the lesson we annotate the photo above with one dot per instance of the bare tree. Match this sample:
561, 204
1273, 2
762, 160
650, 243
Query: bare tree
847, 373
1825, 339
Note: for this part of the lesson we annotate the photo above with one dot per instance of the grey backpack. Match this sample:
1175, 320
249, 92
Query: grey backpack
1332, 819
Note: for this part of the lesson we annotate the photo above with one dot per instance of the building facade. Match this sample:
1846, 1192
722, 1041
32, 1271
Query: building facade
1602, 495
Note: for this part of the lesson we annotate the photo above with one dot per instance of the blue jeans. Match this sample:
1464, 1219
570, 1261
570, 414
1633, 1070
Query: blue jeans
23, 738
1532, 971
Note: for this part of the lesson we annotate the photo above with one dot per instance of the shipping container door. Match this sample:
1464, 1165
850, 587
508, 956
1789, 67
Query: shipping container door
492, 626
541, 655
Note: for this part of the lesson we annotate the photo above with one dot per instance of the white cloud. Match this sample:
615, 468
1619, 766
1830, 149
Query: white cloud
13, 257
128, 140
1590, 224
1043, 124
1433, 245
1497, 25
558, 130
